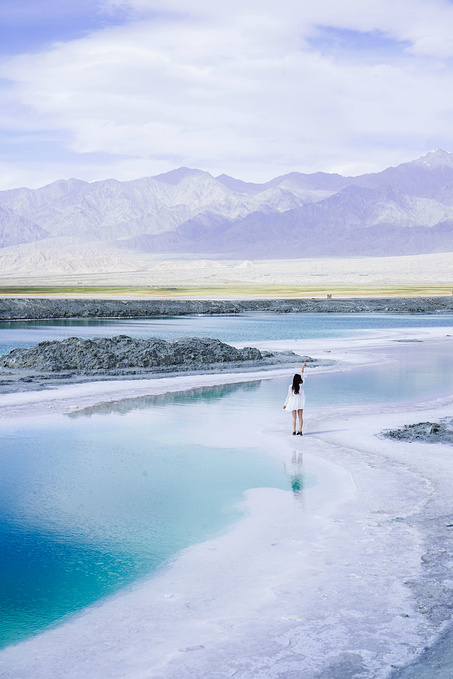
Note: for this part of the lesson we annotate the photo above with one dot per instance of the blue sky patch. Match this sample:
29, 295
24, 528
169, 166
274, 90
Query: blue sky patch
48, 147
32, 25
345, 42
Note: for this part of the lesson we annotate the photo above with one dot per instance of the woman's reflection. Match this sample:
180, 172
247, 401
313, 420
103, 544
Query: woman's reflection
295, 472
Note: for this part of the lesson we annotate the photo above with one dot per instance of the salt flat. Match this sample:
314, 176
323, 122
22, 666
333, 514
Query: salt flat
349, 578
28, 266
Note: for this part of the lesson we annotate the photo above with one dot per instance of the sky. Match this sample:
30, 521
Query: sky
253, 89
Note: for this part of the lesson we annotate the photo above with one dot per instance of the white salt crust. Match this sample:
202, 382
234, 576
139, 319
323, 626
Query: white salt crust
329, 582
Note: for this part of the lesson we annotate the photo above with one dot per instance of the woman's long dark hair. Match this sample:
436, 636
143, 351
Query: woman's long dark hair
297, 380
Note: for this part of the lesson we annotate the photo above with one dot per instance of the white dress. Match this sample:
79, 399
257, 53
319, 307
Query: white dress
295, 401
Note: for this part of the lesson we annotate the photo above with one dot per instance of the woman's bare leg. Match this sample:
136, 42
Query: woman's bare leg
294, 416
301, 419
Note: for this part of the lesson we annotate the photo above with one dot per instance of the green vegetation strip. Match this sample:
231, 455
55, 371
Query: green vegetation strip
233, 290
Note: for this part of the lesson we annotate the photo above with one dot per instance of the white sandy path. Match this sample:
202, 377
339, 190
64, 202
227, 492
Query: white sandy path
306, 587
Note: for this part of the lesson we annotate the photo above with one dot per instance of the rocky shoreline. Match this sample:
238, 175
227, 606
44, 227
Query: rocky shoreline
78, 360
27, 308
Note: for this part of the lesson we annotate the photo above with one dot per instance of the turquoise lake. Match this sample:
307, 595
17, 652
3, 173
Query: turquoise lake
93, 502
89, 504
239, 328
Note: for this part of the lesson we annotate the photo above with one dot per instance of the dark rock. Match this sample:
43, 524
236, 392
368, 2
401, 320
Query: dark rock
429, 432
433, 428
104, 354
46, 308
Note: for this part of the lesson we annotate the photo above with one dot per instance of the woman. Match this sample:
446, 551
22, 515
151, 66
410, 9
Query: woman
295, 401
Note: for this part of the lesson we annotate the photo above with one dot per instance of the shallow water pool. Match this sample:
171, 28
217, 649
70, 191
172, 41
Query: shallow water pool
90, 504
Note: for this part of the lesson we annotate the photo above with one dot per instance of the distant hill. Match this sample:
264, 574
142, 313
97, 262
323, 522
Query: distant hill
403, 210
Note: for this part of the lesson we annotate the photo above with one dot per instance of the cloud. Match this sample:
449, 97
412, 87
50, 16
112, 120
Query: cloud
254, 89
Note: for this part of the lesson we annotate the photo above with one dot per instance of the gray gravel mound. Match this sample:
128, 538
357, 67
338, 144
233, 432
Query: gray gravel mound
429, 432
12, 308
104, 354
76, 360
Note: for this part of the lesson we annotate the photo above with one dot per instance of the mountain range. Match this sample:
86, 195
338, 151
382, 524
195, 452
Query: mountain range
402, 210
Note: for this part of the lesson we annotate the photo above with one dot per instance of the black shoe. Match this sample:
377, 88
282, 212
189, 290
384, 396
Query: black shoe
294, 433
299, 433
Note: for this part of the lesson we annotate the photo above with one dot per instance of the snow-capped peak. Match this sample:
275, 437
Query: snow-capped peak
436, 158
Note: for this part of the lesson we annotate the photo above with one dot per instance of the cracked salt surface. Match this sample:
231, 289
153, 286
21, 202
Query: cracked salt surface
350, 579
